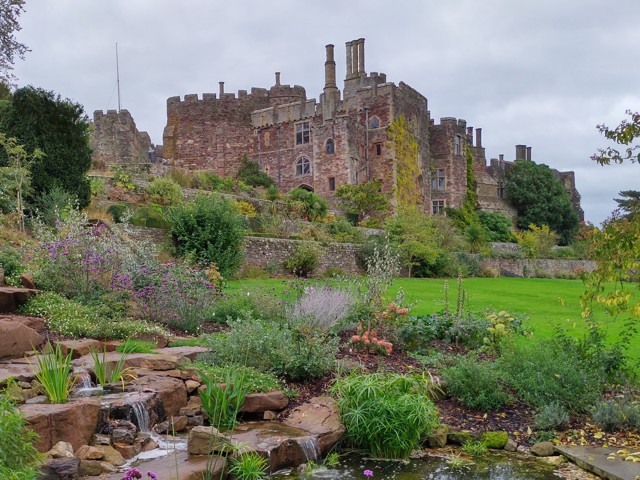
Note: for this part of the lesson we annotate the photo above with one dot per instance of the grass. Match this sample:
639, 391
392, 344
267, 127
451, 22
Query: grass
548, 303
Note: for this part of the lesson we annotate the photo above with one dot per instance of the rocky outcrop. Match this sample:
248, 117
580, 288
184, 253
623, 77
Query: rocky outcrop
11, 298
320, 417
263, 402
17, 338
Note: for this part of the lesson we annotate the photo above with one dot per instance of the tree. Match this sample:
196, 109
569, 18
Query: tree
60, 129
416, 238
10, 48
362, 200
250, 174
629, 205
623, 134
541, 199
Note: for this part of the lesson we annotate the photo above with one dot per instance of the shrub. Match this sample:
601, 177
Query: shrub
210, 230
254, 380
537, 242
246, 209
118, 211
476, 384
164, 191
51, 203
249, 466
497, 225
221, 401
550, 417
150, 217
323, 306
12, 264
386, 413
343, 231
261, 304
250, 173
543, 372
253, 272
334, 272
619, 414
303, 261
311, 205
19, 458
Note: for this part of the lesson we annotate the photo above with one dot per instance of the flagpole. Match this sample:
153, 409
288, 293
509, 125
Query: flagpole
118, 76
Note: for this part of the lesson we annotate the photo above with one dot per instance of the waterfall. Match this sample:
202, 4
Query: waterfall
141, 416
83, 380
310, 448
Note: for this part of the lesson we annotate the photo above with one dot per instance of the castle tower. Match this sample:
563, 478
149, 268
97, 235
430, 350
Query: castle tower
331, 94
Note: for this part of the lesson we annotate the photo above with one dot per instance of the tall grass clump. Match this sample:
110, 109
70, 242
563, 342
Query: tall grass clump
221, 402
250, 466
54, 374
386, 413
107, 372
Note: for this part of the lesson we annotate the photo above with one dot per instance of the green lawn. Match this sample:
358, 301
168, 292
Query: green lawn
548, 303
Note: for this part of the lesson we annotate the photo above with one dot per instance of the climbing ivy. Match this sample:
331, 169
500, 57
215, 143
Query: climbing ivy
408, 171
470, 204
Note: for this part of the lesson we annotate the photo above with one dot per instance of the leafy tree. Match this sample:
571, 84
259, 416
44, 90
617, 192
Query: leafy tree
629, 204
209, 230
313, 206
251, 174
623, 134
416, 238
10, 48
362, 200
60, 129
541, 199
497, 225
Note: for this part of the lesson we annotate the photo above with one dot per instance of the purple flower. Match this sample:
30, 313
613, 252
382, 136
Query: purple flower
368, 473
132, 473
152, 475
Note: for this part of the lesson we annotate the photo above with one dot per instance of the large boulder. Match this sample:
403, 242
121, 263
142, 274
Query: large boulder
74, 422
171, 391
11, 298
320, 417
16, 339
61, 469
80, 347
262, 402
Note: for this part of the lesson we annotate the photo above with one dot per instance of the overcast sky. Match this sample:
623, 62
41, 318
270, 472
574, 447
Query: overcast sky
542, 73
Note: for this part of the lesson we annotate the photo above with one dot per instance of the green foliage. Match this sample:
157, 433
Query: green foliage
495, 440
288, 348
474, 448
343, 231
623, 134
11, 47
362, 200
98, 186
470, 206
118, 211
498, 226
221, 403
415, 237
310, 205
250, 173
19, 458
150, 216
249, 466
164, 191
40, 119
254, 380
51, 204
122, 179
550, 417
11, 262
536, 242
70, 318
477, 384
131, 345
189, 342
542, 372
476, 237
408, 172
617, 414
108, 372
629, 204
386, 413
209, 230
304, 260
54, 374
541, 199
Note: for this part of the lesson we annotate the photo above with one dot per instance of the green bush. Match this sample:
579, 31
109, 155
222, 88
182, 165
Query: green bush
303, 261
249, 466
476, 384
250, 173
386, 413
311, 205
11, 262
164, 191
614, 415
289, 349
254, 380
19, 458
543, 372
498, 226
150, 217
209, 230
550, 417
343, 231
118, 210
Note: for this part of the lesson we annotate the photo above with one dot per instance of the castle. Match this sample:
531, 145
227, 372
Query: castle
343, 138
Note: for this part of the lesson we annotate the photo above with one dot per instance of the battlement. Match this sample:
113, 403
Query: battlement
288, 112
101, 114
209, 98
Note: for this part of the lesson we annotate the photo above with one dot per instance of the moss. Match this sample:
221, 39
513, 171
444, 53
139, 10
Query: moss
460, 438
495, 440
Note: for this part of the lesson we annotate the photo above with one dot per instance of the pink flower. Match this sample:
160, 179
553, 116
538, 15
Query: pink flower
368, 473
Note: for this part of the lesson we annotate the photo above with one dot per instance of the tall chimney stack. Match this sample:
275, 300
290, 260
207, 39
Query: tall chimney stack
529, 153
277, 79
221, 89
329, 68
478, 137
521, 152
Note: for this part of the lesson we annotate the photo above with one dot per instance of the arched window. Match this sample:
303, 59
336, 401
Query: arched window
331, 146
374, 122
303, 166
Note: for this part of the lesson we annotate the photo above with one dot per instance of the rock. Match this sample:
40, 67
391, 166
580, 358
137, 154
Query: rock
111, 455
100, 439
12, 297
149, 445
173, 424
438, 439
85, 452
161, 362
522, 449
191, 385
184, 352
60, 469
495, 440
543, 449
460, 438
93, 468
194, 406
269, 415
196, 420
260, 402
26, 280
171, 392
17, 339
61, 449
555, 460
206, 440
511, 446
80, 347
124, 432
320, 417
128, 451
37, 400
36, 323
74, 422
17, 371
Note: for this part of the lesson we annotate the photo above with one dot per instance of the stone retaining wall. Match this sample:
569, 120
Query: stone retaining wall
549, 268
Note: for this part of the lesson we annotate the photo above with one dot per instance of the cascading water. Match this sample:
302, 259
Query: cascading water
83, 380
310, 448
141, 416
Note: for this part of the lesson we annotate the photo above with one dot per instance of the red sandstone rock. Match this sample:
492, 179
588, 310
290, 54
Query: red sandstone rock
16, 339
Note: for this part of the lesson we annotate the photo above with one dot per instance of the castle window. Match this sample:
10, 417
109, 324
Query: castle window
332, 184
374, 122
457, 145
331, 146
437, 207
437, 179
303, 132
500, 189
378, 149
303, 166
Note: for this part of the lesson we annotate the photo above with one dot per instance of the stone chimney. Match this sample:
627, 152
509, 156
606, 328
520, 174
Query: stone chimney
277, 79
331, 94
521, 152
478, 137
221, 89
529, 153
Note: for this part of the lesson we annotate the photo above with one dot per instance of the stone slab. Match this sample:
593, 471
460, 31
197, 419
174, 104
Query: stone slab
594, 459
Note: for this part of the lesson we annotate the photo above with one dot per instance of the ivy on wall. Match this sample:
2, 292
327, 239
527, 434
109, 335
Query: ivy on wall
408, 171
470, 204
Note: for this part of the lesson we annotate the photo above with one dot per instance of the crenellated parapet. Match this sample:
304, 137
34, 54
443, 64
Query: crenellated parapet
289, 112
116, 139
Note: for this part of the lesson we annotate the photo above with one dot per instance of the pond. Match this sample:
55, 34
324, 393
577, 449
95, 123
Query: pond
494, 466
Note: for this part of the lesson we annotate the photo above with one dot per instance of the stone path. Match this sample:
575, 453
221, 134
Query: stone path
594, 459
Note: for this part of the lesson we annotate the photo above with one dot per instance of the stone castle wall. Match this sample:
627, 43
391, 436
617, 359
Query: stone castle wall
116, 139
